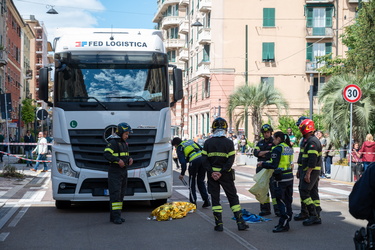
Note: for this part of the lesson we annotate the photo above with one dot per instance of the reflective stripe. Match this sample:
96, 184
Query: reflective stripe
217, 209
308, 201
316, 168
313, 152
116, 205
216, 169
236, 208
220, 154
274, 202
317, 203
121, 154
109, 150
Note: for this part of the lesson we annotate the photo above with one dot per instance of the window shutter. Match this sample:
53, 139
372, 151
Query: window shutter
329, 17
268, 17
328, 48
309, 52
309, 16
268, 52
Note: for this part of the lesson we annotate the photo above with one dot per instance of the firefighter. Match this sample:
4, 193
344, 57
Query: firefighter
218, 156
310, 159
263, 152
282, 162
191, 152
117, 153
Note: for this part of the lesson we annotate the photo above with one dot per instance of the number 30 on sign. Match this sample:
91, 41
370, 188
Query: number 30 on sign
352, 93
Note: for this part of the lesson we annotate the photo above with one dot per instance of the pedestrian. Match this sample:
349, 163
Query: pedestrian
41, 150
175, 158
292, 137
368, 151
200, 140
235, 142
218, 157
328, 153
190, 152
323, 142
362, 206
28, 138
310, 160
356, 163
49, 140
263, 152
117, 154
282, 162
243, 144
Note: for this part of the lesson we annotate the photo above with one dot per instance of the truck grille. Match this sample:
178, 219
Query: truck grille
88, 148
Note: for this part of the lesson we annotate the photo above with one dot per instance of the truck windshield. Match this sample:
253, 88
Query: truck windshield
108, 78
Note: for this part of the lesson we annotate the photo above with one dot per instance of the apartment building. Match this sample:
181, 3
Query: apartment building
222, 45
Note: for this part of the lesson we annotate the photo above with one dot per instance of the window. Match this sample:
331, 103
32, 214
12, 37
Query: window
268, 17
172, 10
319, 19
314, 50
173, 33
268, 52
171, 56
267, 80
206, 53
207, 86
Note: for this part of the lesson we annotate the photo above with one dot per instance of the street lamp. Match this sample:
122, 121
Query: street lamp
197, 24
51, 10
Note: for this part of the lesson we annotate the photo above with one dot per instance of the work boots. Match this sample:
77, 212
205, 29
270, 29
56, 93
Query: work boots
241, 223
218, 222
304, 213
265, 209
281, 228
313, 216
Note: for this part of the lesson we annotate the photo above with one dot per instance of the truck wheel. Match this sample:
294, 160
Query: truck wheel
62, 204
156, 203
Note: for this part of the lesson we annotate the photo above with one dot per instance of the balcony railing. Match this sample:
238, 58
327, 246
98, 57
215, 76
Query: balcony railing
205, 5
319, 32
203, 69
184, 55
171, 21
174, 43
163, 6
204, 36
184, 27
319, 1
312, 67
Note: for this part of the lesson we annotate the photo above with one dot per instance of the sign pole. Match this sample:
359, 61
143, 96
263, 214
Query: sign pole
350, 139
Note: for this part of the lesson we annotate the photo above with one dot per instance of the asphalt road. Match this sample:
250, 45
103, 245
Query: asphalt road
29, 220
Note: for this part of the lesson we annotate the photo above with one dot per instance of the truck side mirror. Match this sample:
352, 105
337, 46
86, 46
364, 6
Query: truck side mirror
43, 85
178, 92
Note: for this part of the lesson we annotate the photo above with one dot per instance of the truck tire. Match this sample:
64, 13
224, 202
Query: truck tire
62, 204
157, 203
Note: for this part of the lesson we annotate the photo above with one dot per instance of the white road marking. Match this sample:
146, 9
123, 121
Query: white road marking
3, 236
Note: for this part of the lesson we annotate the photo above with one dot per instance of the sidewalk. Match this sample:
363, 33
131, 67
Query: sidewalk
9, 186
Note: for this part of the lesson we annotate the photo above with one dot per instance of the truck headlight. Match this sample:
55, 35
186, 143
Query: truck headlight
159, 168
64, 168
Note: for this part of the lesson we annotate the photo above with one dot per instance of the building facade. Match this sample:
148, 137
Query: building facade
249, 42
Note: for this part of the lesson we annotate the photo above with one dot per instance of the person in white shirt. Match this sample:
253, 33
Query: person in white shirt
41, 149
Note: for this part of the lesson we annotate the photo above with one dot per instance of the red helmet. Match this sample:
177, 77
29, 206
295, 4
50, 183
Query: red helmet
307, 126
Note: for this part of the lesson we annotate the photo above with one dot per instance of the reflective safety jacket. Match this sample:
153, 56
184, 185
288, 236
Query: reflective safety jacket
191, 150
218, 154
311, 154
282, 159
116, 150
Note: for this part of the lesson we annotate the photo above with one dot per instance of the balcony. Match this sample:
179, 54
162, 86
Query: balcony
3, 58
184, 27
184, 3
162, 7
203, 69
205, 5
312, 67
204, 36
174, 43
356, 1
319, 32
170, 21
183, 54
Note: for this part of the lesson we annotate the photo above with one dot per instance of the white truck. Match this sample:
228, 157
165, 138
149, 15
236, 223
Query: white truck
104, 77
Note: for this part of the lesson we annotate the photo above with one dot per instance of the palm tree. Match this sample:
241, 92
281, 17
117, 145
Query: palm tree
253, 100
337, 111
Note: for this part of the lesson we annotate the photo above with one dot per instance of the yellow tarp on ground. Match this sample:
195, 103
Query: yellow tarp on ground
173, 210
261, 187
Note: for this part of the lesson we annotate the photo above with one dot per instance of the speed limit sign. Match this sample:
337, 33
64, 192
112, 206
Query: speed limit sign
352, 93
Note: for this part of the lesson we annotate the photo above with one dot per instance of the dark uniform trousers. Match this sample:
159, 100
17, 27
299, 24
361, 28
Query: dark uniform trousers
309, 192
117, 182
197, 173
227, 183
284, 197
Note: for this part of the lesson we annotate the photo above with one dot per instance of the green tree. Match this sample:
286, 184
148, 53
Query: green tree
337, 111
255, 99
27, 112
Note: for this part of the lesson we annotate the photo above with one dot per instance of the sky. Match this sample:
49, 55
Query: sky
90, 13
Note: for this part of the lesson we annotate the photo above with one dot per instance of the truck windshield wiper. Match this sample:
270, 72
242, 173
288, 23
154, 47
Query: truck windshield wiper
87, 97
133, 97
